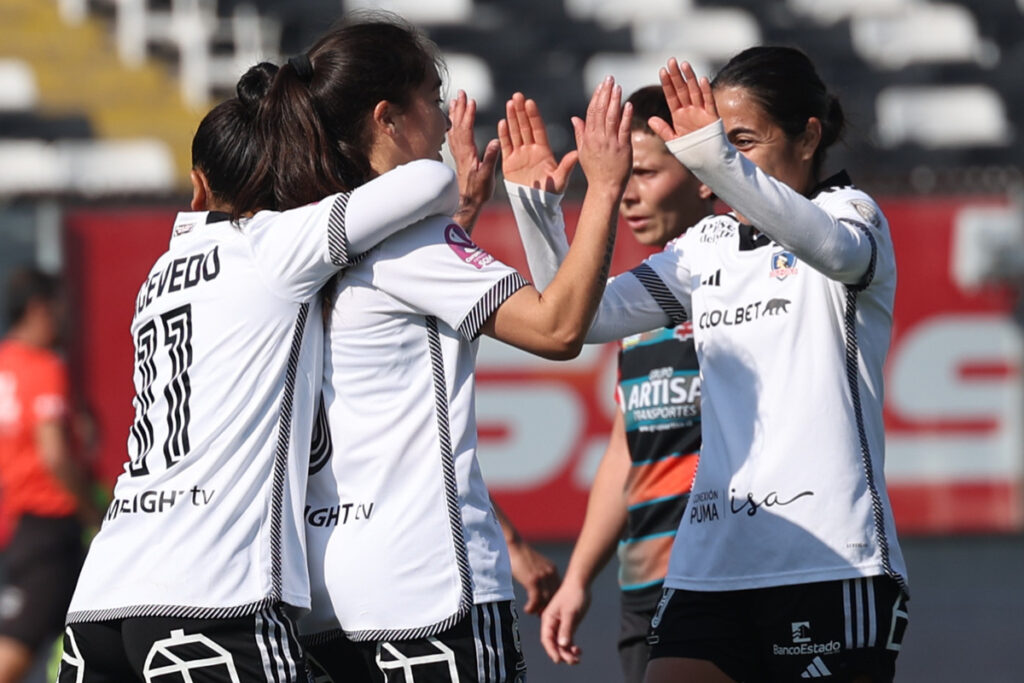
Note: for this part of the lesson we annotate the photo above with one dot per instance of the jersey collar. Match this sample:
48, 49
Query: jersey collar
834, 182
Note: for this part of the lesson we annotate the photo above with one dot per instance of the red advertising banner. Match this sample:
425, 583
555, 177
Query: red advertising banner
955, 450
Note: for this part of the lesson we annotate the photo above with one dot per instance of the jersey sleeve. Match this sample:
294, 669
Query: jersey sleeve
437, 270
48, 399
829, 245
654, 294
541, 225
858, 212
300, 249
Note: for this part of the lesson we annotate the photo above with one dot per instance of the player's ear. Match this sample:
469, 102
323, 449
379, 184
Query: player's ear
704, 192
811, 138
384, 119
201, 195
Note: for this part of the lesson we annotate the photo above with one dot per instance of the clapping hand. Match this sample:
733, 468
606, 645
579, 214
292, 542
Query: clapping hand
689, 99
475, 174
526, 156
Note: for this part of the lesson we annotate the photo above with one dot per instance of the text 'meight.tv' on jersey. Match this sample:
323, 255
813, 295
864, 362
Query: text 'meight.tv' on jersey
206, 519
402, 536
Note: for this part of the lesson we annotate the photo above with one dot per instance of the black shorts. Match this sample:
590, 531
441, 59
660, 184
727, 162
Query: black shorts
259, 647
483, 647
42, 563
833, 629
634, 626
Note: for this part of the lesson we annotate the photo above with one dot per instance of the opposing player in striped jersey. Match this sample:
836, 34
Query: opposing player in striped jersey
406, 557
200, 564
786, 564
643, 481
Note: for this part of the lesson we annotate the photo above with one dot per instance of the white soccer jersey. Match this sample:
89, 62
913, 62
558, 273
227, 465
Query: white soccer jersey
401, 532
206, 520
790, 486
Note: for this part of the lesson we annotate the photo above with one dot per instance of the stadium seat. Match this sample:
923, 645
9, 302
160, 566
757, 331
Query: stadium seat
469, 73
119, 166
16, 125
611, 13
831, 11
937, 117
418, 11
632, 71
87, 168
921, 33
18, 88
709, 34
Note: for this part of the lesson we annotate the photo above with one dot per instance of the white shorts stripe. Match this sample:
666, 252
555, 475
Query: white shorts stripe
872, 615
478, 642
847, 617
275, 647
499, 643
489, 644
859, 610
261, 643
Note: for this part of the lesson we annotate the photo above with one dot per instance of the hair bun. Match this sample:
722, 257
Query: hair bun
254, 84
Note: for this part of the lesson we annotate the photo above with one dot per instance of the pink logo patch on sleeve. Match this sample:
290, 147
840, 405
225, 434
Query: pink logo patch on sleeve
464, 248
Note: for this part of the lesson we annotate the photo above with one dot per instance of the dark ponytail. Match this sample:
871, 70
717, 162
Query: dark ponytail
785, 83
226, 145
313, 124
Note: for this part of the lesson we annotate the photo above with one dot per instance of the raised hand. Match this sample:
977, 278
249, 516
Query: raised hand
475, 174
689, 99
606, 153
526, 156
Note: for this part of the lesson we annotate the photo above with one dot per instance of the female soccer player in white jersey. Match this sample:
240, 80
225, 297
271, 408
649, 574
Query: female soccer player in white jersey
200, 562
786, 564
406, 557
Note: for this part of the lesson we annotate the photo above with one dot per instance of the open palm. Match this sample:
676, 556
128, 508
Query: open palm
526, 156
689, 100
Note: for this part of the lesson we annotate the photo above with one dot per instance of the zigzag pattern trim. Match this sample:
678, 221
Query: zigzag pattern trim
489, 303
661, 294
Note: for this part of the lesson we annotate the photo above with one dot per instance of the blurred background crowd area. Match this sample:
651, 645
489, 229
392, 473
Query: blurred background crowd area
99, 100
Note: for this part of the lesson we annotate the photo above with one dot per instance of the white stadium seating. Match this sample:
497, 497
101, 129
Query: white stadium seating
18, 88
921, 33
936, 117
711, 34
89, 168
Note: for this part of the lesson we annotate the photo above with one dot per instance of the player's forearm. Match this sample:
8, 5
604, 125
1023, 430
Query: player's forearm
54, 454
541, 228
396, 199
606, 513
774, 208
569, 303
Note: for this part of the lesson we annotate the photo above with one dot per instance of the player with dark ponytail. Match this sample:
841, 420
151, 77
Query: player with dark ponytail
199, 567
786, 564
427, 562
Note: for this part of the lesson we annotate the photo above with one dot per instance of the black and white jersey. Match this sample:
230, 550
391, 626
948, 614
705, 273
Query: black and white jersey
401, 533
206, 520
792, 332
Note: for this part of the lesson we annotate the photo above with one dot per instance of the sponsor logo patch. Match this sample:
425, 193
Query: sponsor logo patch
464, 247
867, 211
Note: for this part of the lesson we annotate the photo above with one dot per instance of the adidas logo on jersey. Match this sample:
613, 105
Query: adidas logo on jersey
713, 280
816, 669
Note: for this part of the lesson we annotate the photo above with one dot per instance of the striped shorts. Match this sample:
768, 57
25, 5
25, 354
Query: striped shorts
482, 647
833, 629
261, 647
